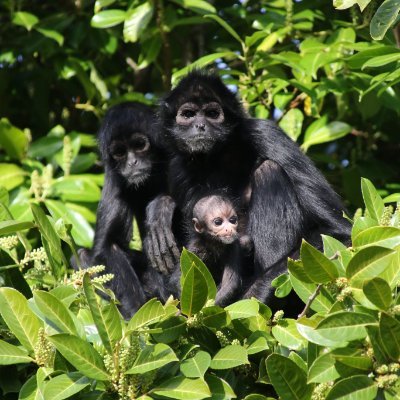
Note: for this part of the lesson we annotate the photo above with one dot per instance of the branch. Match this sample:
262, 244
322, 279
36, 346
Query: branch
310, 300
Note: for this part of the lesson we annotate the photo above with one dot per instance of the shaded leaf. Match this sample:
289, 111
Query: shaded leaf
358, 386
183, 388
229, 357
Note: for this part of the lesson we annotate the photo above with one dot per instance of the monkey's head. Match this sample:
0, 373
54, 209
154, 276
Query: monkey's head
215, 217
200, 113
126, 143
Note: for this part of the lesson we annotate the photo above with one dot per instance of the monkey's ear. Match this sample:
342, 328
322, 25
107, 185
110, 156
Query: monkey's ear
197, 225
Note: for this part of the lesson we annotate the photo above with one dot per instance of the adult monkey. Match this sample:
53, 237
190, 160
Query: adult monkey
215, 145
134, 175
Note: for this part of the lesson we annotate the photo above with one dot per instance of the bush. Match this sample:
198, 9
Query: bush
60, 340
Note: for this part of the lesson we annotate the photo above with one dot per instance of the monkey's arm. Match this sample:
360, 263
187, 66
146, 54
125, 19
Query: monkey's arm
160, 244
231, 279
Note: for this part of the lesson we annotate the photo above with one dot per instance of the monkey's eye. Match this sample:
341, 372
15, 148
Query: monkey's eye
218, 221
140, 144
212, 113
233, 220
188, 113
118, 152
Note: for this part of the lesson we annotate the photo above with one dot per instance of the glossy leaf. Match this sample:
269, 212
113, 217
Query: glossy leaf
108, 323
316, 265
389, 331
243, 309
219, 388
16, 313
354, 387
11, 176
13, 140
55, 313
196, 366
194, 292
182, 388
289, 380
292, 123
108, 18
25, 19
287, 334
384, 18
229, 357
136, 21
149, 313
378, 292
345, 326
323, 370
81, 355
152, 357
10, 354
65, 385
373, 202
8, 227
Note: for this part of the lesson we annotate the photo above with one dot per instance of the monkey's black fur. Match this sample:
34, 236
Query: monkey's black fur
290, 199
134, 175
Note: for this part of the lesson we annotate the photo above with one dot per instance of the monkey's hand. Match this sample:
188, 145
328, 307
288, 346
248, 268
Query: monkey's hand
159, 244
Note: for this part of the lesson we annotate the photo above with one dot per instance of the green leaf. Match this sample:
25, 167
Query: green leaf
229, 357
10, 354
198, 6
186, 261
220, 390
327, 133
286, 333
81, 355
11, 176
287, 378
153, 357
16, 313
74, 188
323, 370
194, 292
345, 326
13, 140
8, 227
136, 21
196, 366
385, 236
45, 147
201, 63
29, 390
378, 292
243, 309
282, 284
226, 26
368, 263
108, 18
389, 331
258, 341
149, 313
55, 313
65, 385
306, 327
182, 388
108, 324
384, 18
316, 265
382, 60
292, 123
52, 34
215, 317
171, 329
25, 19
373, 202
81, 231
355, 387
343, 4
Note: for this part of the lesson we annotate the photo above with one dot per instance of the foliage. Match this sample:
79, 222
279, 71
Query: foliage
64, 341
313, 69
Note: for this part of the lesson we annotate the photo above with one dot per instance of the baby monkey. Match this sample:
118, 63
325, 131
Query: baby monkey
218, 241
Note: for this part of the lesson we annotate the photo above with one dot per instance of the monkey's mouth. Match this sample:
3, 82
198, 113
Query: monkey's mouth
228, 239
198, 144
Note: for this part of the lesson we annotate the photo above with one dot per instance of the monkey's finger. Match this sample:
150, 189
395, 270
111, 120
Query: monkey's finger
173, 248
164, 252
159, 259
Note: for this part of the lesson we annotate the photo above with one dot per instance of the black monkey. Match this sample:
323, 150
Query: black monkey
216, 145
134, 175
216, 238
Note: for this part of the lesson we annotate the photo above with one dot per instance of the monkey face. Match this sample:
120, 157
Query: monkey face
132, 158
224, 228
199, 127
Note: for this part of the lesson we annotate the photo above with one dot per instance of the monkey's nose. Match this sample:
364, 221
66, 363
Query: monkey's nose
201, 127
